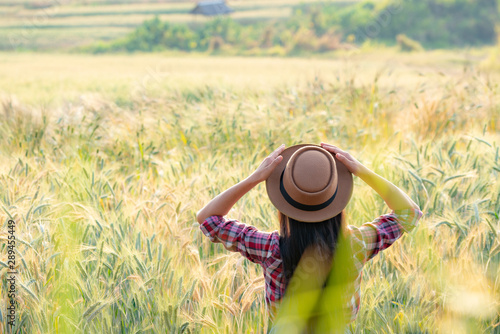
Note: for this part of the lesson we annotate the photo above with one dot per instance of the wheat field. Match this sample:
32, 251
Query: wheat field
104, 161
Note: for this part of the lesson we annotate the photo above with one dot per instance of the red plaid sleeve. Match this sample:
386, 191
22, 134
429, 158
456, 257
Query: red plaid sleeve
253, 244
384, 231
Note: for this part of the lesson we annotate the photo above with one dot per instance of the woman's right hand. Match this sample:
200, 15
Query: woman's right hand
267, 166
353, 165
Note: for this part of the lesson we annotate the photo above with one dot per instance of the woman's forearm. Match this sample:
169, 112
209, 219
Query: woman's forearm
394, 197
222, 203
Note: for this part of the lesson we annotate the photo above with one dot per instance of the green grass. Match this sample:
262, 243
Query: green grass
105, 160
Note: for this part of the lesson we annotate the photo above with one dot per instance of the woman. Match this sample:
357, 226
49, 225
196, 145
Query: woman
310, 186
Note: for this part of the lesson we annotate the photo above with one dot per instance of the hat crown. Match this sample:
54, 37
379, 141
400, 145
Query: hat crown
311, 171
310, 176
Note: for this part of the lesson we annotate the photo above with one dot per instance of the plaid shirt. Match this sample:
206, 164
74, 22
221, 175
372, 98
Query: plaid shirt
263, 247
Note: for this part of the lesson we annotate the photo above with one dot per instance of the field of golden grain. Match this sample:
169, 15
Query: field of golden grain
104, 161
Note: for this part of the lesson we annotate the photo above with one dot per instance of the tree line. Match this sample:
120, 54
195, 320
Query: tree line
413, 24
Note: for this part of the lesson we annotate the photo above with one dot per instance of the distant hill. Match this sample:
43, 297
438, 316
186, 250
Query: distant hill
63, 24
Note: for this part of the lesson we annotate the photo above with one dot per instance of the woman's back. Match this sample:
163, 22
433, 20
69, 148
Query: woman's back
264, 248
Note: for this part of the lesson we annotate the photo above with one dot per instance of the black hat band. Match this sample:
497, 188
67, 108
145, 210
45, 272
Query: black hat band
304, 207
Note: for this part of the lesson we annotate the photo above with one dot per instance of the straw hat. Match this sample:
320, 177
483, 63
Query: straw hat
309, 184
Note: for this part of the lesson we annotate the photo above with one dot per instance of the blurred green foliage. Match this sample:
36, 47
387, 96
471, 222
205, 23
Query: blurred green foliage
325, 27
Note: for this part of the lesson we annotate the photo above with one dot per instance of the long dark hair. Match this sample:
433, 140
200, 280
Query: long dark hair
297, 236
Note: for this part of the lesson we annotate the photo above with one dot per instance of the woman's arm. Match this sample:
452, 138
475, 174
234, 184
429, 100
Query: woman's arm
385, 230
394, 197
222, 203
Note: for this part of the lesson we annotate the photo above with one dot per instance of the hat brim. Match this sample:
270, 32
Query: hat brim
344, 193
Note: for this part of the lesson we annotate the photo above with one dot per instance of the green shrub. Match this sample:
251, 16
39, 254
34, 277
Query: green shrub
439, 23
434, 23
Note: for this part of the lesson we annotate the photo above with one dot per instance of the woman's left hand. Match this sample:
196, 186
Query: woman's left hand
267, 166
